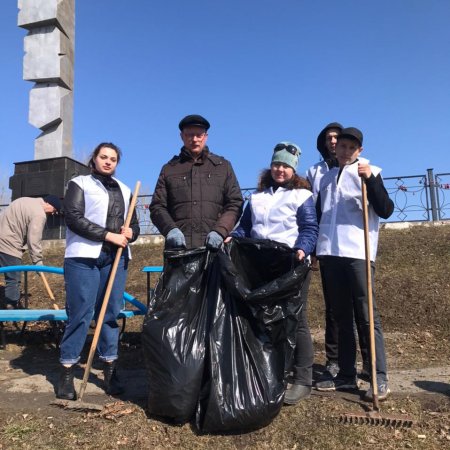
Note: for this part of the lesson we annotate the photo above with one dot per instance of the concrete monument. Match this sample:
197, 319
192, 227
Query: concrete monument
49, 63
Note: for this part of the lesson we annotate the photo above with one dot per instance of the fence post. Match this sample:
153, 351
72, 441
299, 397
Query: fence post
432, 187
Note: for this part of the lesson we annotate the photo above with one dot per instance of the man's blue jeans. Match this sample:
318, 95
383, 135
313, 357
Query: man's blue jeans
12, 279
85, 281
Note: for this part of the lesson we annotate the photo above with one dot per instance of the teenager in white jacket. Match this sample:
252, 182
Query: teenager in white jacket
340, 248
326, 144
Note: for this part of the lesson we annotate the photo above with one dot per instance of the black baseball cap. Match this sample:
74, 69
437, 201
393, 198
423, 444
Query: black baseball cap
54, 201
351, 133
193, 120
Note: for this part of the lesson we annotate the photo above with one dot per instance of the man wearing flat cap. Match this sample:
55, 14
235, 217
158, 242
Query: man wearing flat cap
22, 224
197, 198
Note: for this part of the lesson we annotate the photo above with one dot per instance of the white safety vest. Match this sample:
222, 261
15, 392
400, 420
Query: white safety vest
274, 214
96, 201
341, 228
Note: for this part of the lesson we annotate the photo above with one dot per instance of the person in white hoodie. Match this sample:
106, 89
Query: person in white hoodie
326, 145
341, 250
96, 207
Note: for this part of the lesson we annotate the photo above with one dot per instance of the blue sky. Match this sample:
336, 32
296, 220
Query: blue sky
261, 71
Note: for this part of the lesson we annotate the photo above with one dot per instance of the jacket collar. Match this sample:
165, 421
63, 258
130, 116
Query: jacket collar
185, 155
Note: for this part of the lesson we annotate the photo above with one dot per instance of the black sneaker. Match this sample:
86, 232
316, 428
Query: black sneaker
337, 383
295, 393
383, 392
330, 372
332, 367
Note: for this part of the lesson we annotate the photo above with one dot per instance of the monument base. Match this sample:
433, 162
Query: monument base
42, 177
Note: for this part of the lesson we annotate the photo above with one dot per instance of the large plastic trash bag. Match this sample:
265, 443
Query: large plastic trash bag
173, 335
252, 335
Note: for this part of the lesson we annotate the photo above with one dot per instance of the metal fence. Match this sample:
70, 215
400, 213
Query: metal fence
416, 198
420, 197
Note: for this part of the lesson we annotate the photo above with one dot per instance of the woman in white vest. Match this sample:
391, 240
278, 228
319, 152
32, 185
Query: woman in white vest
95, 208
282, 209
341, 250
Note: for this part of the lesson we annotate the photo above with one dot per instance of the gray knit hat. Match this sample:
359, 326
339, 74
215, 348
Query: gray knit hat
286, 153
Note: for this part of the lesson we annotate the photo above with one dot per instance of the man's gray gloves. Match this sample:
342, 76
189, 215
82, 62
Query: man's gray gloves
214, 240
175, 238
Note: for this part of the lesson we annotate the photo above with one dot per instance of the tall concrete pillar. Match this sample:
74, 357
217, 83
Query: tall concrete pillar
49, 63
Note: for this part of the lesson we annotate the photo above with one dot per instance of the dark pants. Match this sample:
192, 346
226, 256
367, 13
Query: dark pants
345, 279
303, 357
331, 325
12, 279
332, 328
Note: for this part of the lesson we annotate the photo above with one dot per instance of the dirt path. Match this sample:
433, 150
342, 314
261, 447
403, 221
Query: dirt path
31, 382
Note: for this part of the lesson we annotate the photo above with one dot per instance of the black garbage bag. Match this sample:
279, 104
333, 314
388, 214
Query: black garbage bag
173, 335
255, 290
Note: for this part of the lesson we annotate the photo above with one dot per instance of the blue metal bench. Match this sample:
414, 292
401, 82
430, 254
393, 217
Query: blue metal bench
54, 315
150, 270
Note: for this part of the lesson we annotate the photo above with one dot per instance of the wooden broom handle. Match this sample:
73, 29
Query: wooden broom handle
48, 289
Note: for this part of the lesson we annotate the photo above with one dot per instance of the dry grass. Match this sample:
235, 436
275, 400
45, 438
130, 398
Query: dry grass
412, 286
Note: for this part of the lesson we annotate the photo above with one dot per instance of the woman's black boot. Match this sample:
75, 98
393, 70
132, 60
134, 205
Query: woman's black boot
66, 388
113, 386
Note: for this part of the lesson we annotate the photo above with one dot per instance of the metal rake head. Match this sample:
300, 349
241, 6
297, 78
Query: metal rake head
77, 405
377, 419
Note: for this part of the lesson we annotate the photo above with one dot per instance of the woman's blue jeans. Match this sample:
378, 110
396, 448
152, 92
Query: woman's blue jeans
85, 281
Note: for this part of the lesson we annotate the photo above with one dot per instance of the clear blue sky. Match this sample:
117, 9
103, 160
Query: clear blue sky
261, 71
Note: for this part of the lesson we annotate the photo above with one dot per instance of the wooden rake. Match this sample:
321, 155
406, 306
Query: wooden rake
373, 416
